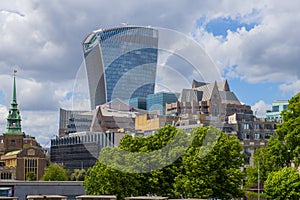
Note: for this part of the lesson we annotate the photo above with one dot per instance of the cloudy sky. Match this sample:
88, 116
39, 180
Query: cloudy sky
253, 43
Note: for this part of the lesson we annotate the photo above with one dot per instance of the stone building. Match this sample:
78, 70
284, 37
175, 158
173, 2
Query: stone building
20, 153
215, 101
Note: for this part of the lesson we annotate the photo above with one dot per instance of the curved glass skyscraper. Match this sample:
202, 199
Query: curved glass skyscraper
120, 63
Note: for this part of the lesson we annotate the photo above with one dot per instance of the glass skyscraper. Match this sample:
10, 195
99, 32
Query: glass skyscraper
159, 100
120, 63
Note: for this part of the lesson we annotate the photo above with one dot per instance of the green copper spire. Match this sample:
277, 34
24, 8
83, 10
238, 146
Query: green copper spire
14, 118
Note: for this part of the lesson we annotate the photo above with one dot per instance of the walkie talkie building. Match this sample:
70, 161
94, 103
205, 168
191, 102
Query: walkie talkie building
120, 63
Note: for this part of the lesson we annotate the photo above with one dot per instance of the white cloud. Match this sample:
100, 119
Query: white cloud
3, 116
260, 108
43, 125
268, 52
33, 95
292, 88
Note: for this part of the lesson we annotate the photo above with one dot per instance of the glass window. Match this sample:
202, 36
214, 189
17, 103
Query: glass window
275, 108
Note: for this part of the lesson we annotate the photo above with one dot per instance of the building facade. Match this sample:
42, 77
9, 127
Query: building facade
152, 122
277, 107
252, 132
80, 150
120, 63
159, 100
214, 100
74, 121
139, 102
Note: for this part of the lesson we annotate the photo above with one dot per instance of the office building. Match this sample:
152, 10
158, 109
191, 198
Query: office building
277, 107
120, 63
74, 121
80, 150
159, 100
110, 122
138, 102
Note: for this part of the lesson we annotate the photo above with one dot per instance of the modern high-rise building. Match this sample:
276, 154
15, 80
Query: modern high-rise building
159, 100
277, 107
120, 63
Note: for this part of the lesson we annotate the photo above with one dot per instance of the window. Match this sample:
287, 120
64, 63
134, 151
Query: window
30, 166
256, 136
246, 126
246, 136
13, 143
267, 135
275, 108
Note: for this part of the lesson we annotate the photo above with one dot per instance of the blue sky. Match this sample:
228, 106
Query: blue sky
253, 43
220, 26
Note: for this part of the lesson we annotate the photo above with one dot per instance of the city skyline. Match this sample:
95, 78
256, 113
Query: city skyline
253, 44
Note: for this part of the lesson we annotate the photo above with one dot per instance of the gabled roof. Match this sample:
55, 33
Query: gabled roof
189, 95
207, 90
223, 86
229, 98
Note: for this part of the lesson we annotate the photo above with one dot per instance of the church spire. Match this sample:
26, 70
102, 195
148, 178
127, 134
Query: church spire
14, 118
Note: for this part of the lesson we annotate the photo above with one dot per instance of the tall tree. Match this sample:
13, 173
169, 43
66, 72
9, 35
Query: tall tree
55, 172
148, 164
164, 164
283, 184
267, 159
283, 149
211, 168
289, 130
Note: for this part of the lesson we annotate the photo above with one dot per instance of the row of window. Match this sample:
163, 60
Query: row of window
257, 136
6, 175
105, 139
258, 126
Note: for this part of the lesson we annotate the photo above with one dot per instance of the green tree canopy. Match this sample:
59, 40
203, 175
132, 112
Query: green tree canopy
208, 165
30, 176
55, 172
283, 184
289, 131
212, 169
283, 149
267, 159
78, 175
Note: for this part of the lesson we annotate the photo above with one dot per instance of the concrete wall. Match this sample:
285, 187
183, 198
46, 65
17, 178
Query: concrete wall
71, 189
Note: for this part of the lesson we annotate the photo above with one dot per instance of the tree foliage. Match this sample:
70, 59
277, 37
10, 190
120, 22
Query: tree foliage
207, 166
211, 169
289, 130
30, 176
55, 172
283, 184
78, 175
267, 159
283, 149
